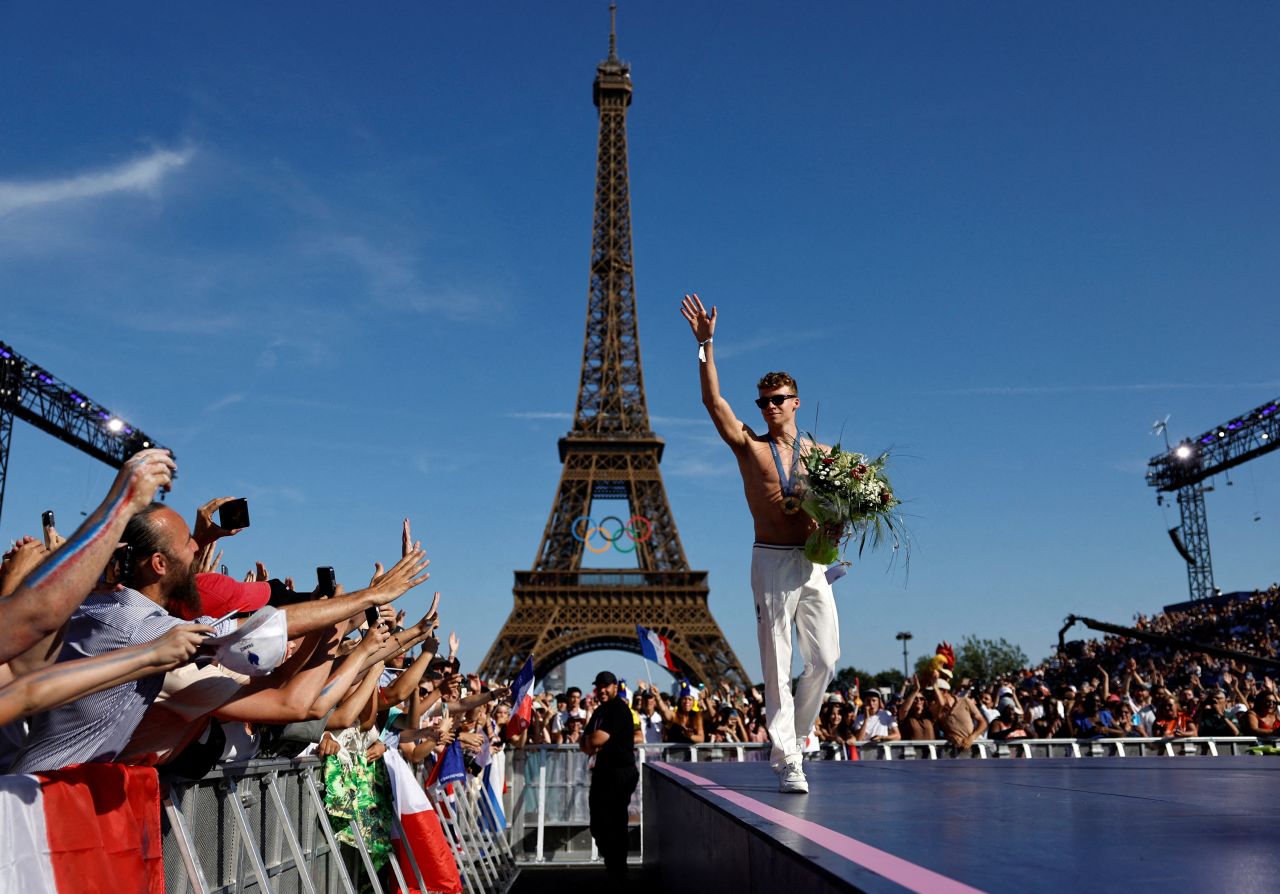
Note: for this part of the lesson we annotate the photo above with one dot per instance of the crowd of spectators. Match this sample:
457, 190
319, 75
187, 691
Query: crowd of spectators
124, 643
1117, 686
1113, 687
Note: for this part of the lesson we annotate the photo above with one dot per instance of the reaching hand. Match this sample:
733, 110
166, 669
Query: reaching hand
52, 539
207, 530
402, 577
453, 644
21, 559
178, 645
431, 620
406, 540
374, 640
141, 476
375, 751
260, 572
206, 561
702, 323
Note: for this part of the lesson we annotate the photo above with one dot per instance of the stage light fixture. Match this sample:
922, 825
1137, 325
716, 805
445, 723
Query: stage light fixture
1181, 547
1182, 452
114, 425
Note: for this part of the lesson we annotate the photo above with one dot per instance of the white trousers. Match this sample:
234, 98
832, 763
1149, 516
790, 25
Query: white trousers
789, 589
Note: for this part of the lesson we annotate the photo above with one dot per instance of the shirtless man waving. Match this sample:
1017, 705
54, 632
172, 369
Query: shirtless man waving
789, 589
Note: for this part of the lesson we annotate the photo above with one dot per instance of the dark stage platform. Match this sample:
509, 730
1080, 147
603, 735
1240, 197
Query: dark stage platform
944, 827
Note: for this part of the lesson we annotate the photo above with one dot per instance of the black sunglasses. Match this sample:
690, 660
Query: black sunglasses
776, 399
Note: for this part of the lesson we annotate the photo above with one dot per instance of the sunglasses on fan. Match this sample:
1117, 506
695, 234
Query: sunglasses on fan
776, 399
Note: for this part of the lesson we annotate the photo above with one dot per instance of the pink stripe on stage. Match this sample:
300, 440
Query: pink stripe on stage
882, 863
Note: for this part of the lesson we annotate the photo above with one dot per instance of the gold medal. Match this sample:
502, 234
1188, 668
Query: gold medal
790, 505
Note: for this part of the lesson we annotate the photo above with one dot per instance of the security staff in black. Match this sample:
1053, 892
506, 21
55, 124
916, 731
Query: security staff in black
610, 738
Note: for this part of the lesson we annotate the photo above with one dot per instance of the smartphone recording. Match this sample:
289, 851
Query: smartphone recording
233, 514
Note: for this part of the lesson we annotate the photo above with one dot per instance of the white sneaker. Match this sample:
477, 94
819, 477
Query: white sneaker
791, 779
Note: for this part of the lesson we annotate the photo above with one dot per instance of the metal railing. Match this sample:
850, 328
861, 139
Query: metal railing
547, 802
1031, 748
261, 826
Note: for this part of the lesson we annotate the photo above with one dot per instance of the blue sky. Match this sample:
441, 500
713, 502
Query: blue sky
337, 259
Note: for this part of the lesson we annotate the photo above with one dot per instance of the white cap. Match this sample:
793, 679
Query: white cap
258, 646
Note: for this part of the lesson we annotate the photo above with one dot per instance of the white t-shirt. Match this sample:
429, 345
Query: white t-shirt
562, 718
651, 726
881, 723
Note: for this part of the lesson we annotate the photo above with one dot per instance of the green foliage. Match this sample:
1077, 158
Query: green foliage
892, 678
986, 660
846, 675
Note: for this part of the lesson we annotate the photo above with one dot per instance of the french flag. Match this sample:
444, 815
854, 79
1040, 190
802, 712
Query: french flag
92, 827
492, 781
422, 833
450, 767
521, 700
656, 647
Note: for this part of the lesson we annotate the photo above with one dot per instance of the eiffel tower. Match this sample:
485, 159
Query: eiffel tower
561, 608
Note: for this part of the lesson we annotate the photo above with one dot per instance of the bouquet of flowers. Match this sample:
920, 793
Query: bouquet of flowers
849, 496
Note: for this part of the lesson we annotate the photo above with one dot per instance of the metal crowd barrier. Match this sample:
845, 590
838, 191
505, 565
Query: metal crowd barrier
547, 801
261, 826
984, 749
549, 786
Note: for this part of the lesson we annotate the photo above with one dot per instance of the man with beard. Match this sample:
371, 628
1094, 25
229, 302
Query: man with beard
160, 578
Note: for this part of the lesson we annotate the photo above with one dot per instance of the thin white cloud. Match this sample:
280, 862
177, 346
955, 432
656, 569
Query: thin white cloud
223, 402
560, 416
678, 422
540, 414
698, 467
394, 281
787, 337
1034, 390
142, 175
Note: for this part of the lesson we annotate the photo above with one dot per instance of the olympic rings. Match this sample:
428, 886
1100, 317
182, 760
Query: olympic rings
583, 533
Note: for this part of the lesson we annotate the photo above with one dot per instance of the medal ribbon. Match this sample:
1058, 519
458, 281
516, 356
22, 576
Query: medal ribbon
787, 482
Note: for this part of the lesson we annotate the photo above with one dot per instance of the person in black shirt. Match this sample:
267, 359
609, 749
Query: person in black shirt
610, 739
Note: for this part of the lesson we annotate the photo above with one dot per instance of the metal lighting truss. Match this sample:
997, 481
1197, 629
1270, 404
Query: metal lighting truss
33, 394
1183, 467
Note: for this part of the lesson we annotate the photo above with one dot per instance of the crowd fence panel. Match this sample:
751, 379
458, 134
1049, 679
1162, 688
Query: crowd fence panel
549, 784
261, 826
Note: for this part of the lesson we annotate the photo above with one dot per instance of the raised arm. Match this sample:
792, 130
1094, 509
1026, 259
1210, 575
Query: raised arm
305, 617
42, 603
69, 680
406, 684
287, 694
348, 712
703, 325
